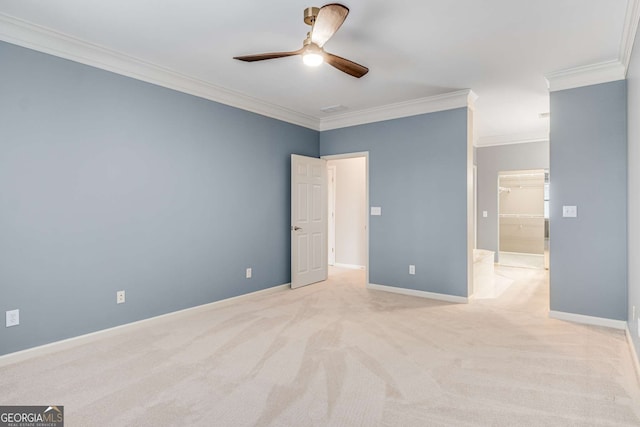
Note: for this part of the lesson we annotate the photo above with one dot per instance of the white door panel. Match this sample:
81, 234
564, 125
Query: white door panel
309, 220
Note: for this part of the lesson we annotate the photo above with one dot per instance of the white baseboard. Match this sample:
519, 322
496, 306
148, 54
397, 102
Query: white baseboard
350, 266
588, 320
40, 350
634, 354
416, 293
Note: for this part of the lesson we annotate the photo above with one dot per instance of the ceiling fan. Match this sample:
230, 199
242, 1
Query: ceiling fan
324, 23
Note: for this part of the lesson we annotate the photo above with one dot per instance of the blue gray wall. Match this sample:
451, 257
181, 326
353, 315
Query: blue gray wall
633, 102
418, 176
109, 183
588, 254
490, 161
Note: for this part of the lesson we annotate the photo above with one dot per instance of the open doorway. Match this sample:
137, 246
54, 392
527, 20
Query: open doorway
348, 241
523, 218
519, 278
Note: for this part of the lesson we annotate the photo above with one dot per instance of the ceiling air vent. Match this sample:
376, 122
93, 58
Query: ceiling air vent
334, 109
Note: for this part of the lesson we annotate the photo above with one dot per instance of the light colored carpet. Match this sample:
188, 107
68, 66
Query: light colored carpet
337, 354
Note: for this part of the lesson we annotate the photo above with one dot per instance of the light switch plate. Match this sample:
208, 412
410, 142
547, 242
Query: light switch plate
569, 211
485, 214
13, 318
376, 210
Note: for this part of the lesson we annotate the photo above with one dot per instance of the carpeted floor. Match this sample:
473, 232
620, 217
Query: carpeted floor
337, 354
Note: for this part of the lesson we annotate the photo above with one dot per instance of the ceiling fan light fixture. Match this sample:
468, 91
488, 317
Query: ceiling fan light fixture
312, 55
312, 59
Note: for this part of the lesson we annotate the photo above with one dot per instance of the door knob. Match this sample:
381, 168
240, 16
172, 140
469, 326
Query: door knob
296, 228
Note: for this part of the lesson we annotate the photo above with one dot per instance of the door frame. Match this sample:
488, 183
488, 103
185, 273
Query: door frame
475, 206
331, 233
359, 154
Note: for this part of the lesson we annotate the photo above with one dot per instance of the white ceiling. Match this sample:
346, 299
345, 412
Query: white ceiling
500, 49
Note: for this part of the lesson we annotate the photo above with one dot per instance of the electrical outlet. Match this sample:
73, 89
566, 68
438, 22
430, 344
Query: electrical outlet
120, 297
13, 318
248, 273
412, 269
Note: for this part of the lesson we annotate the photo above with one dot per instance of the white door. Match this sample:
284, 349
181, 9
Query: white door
308, 220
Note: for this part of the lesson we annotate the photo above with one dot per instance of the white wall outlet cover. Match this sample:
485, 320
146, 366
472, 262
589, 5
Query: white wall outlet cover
485, 214
120, 299
412, 269
12, 318
248, 273
569, 211
376, 210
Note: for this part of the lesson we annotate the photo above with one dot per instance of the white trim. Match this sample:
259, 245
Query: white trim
447, 101
22, 33
587, 75
40, 350
350, 266
523, 138
331, 203
629, 33
471, 100
354, 155
634, 354
416, 293
588, 320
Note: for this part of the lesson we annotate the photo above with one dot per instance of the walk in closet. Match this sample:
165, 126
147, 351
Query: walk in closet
522, 213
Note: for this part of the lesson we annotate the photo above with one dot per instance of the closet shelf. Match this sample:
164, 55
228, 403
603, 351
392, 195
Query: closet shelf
522, 175
524, 187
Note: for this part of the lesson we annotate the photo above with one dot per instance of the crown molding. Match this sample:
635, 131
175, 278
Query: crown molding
629, 33
587, 75
447, 101
522, 138
25, 34
602, 72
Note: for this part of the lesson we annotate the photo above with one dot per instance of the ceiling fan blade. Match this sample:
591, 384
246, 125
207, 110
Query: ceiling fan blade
263, 56
344, 65
329, 19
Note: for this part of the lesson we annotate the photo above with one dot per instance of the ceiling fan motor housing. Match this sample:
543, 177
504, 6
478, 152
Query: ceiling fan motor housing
310, 15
